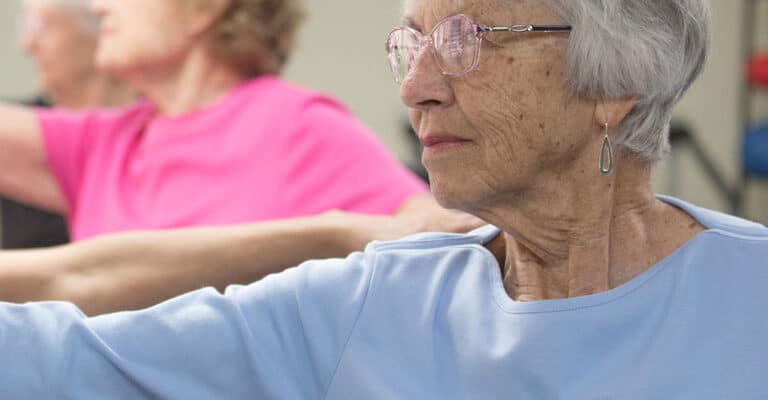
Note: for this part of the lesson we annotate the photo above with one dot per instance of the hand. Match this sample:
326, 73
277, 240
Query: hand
425, 210
438, 220
419, 215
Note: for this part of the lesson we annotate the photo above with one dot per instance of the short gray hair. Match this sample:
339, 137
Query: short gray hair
652, 50
80, 9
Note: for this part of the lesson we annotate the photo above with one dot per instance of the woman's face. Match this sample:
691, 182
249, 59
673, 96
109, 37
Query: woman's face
141, 35
59, 43
493, 133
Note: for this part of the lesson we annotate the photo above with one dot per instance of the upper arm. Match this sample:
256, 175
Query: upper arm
26, 176
278, 338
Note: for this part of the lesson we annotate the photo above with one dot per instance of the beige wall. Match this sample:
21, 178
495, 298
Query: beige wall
16, 76
341, 52
711, 108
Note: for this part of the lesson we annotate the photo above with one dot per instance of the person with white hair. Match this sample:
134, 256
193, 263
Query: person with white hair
545, 119
60, 37
217, 139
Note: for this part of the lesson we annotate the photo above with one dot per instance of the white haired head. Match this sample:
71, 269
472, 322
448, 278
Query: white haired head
649, 50
80, 8
652, 50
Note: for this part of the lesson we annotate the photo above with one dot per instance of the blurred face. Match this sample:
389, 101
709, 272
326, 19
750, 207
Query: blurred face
59, 43
495, 132
144, 35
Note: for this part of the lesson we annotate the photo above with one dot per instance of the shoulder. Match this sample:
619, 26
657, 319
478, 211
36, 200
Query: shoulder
320, 122
433, 254
296, 110
720, 223
437, 240
379, 258
279, 93
728, 241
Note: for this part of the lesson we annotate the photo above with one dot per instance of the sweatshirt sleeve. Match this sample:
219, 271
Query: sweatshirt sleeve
75, 141
279, 338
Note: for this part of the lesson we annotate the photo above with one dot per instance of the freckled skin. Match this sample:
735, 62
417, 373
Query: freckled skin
530, 161
500, 106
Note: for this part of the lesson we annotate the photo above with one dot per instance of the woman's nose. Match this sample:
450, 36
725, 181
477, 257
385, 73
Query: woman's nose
426, 86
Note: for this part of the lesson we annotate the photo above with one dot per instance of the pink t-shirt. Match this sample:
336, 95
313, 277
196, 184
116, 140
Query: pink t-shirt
267, 150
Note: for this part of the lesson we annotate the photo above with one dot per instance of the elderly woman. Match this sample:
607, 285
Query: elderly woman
543, 117
60, 37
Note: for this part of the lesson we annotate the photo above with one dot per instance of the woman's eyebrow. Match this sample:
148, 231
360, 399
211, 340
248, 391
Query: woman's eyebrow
409, 22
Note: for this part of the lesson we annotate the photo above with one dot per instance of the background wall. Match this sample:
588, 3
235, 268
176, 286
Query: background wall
711, 108
16, 76
341, 52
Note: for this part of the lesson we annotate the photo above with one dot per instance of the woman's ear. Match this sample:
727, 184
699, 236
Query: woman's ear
613, 112
203, 14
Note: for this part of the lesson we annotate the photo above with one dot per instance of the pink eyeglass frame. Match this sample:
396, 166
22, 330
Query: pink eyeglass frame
480, 31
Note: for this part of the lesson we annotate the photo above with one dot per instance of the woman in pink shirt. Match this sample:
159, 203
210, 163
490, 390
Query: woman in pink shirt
219, 140
60, 38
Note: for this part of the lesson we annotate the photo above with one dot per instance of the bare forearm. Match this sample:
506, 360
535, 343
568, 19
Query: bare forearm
137, 270
172, 262
28, 275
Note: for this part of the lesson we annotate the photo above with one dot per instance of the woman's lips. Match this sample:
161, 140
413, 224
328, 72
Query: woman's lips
441, 142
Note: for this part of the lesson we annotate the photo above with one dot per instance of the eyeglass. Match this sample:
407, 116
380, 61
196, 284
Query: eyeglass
456, 42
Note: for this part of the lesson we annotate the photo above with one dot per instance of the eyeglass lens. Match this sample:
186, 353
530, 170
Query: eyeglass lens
455, 41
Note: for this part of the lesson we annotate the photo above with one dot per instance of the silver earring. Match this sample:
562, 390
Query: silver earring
606, 155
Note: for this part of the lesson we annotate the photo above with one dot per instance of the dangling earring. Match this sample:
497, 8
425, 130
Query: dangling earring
606, 155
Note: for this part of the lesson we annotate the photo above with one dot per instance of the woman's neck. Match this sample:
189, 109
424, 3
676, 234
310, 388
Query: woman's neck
199, 82
578, 233
96, 91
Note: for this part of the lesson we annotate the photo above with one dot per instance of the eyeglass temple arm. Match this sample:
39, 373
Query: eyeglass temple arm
528, 28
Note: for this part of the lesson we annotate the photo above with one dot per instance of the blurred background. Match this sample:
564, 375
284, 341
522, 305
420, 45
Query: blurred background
341, 51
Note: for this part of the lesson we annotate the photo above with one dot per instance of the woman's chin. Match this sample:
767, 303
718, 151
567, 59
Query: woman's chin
448, 197
104, 63
110, 64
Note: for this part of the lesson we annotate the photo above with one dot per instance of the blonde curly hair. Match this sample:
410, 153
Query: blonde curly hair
257, 36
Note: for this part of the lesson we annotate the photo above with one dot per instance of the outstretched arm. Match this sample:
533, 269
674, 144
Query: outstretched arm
139, 269
24, 172
280, 338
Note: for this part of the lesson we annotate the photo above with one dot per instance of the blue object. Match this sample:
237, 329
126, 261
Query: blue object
756, 151
421, 318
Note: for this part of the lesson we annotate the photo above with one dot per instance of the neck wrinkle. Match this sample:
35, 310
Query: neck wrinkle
560, 239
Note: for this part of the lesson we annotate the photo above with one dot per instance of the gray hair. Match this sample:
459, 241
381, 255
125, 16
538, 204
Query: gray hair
81, 9
652, 50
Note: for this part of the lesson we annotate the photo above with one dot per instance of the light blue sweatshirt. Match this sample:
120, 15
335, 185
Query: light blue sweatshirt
421, 318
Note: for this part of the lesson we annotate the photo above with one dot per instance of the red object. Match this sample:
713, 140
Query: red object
757, 71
